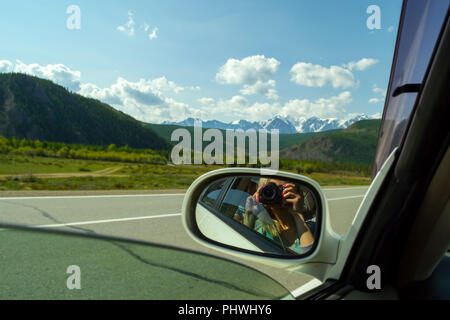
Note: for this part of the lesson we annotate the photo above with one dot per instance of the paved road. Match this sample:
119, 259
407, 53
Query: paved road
154, 218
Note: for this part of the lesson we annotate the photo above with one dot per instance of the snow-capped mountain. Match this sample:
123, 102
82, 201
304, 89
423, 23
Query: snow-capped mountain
315, 124
285, 125
282, 124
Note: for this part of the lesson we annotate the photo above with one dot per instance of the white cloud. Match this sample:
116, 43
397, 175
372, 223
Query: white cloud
239, 108
143, 99
206, 101
377, 115
310, 75
6, 66
108, 95
162, 84
248, 70
314, 75
124, 91
150, 99
390, 28
261, 87
57, 73
322, 108
380, 92
153, 34
375, 100
362, 64
272, 94
128, 28
146, 100
225, 110
154, 31
261, 111
253, 73
238, 101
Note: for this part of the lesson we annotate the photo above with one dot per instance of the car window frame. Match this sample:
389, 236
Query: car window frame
356, 261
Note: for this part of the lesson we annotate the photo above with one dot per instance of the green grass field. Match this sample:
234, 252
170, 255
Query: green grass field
17, 164
23, 173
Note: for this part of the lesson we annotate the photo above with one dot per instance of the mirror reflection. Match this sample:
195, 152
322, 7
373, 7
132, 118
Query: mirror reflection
268, 215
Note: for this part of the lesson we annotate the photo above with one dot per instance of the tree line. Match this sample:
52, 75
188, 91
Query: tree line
111, 152
27, 147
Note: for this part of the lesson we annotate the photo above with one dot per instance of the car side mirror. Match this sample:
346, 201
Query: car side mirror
279, 217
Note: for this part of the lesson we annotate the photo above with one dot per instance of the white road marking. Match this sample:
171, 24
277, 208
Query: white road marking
350, 188
94, 197
344, 198
124, 219
129, 195
105, 221
139, 218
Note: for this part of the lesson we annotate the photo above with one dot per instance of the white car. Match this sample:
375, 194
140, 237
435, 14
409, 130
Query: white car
396, 248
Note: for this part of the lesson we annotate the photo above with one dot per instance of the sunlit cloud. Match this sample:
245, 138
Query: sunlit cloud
128, 28
313, 75
362, 64
57, 73
252, 73
6, 66
381, 95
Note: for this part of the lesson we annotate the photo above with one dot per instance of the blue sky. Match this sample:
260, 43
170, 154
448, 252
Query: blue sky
224, 60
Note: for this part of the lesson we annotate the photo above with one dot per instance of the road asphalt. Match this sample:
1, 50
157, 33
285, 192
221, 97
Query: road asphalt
151, 217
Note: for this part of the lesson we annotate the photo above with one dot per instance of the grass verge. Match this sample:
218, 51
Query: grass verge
17, 173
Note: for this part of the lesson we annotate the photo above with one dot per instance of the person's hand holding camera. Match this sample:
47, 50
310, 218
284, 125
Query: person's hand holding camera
291, 197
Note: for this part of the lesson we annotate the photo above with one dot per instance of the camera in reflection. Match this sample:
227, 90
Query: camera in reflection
271, 194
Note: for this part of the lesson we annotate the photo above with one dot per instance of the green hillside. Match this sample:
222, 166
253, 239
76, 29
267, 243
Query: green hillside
34, 108
287, 140
165, 130
356, 144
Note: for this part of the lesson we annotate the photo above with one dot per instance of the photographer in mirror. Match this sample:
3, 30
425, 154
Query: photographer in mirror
285, 207
271, 215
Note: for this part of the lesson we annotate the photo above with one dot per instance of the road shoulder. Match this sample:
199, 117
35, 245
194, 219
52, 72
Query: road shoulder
43, 193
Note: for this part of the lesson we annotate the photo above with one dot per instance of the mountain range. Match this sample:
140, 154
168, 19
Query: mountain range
285, 124
35, 108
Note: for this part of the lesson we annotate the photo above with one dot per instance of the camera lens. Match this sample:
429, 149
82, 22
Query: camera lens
270, 194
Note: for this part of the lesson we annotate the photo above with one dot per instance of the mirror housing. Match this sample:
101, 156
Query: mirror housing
315, 262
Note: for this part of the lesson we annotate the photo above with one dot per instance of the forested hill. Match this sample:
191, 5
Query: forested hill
34, 108
356, 144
